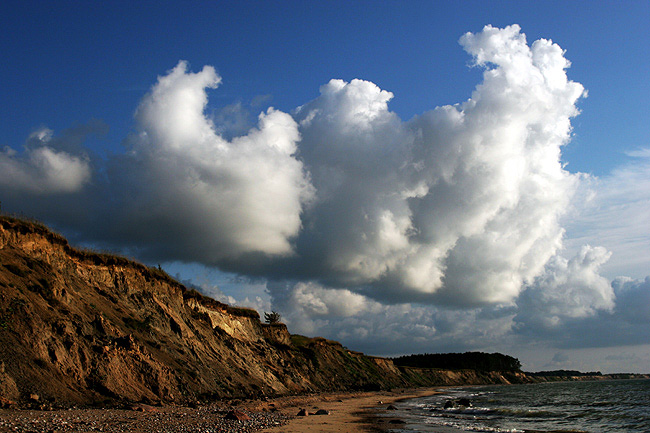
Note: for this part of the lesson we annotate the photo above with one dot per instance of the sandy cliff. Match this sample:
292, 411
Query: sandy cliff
78, 327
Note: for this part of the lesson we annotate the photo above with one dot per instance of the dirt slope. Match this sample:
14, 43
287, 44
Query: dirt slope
78, 327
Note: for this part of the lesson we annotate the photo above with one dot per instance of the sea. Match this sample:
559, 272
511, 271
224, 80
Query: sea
589, 406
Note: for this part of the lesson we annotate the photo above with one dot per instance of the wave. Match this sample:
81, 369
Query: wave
561, 407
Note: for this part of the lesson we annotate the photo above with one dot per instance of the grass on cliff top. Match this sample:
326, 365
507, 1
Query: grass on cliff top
27, 226
301, 341
31, 226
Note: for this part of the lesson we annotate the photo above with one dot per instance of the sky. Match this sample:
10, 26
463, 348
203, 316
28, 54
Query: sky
404, 177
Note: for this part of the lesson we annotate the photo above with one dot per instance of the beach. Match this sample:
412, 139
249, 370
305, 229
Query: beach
347, 412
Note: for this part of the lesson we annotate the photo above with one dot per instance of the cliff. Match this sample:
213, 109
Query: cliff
78, 327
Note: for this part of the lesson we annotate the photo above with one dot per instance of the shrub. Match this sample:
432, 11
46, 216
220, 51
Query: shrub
272, 318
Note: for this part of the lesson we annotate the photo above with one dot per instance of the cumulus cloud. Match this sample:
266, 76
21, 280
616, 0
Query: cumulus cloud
633, 300
584, 310
459, 205
378, 328
616, 215
43, 169
570, 306
211, 197
568, 289
441, 231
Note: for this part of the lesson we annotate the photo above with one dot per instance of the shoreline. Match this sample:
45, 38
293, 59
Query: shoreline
347, 412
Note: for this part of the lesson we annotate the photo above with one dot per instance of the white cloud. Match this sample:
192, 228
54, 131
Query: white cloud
367, 325
568, 289
211, 197
318, 301
42, 169
370, 228
633, 300
617, 216
459, 205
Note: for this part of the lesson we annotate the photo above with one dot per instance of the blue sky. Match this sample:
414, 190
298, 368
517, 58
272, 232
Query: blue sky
74, 61
76, 73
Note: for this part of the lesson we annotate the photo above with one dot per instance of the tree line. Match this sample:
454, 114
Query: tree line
566, 373
460, 361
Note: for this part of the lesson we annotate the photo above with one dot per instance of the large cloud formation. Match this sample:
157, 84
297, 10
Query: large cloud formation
357, 218
458, 205
190, 194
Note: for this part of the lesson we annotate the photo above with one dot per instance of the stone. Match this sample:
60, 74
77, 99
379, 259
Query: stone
237, 415
143, 408
6, 403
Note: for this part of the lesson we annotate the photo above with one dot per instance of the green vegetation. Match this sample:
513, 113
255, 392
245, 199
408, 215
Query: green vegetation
272, 318
116, 311
565, 373
460, 361
243, 312
27, 226
298, 340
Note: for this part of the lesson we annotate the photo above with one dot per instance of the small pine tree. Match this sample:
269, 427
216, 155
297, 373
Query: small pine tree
272, 317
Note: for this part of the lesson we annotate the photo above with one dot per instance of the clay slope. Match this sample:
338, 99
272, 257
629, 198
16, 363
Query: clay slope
79, 327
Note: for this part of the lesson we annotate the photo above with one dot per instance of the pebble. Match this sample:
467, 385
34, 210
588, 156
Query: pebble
164, 420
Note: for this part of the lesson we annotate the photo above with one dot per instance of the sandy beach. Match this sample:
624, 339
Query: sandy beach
347, 412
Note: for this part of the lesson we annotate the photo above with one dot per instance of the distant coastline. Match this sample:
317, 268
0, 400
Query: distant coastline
574, 375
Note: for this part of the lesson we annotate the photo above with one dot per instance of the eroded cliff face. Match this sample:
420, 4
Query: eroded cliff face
79, 327
83, 328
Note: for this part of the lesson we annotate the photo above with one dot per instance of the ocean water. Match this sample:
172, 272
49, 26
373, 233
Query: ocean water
593, 407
